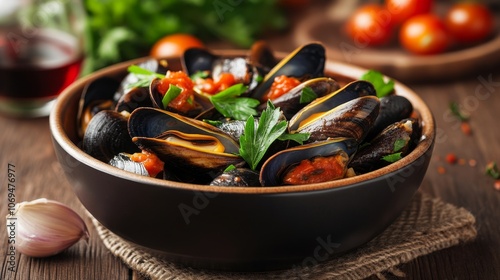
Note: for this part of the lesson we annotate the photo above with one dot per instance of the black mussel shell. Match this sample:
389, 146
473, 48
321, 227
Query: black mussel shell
274, 167
303, 63
107, 135
393, 108
352, 119
96, 96
403, 136
334, 99
133, 99
238, 177
290, 102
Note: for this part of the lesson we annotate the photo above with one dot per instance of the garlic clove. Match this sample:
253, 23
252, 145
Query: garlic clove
46, 227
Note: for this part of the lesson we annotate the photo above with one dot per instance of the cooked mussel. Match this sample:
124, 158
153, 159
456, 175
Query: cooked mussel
197, 60
133, 99
352, 119
262, 57
96, 96
292, 101
305, 62
107, 136
347, 93
326, 160
238, 177
393, 108
183, 142
393, 143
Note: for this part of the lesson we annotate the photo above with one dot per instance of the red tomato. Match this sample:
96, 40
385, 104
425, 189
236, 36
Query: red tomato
184, 101
370, 25
281, 85
424, 34
174, 45
469, 22
401, 10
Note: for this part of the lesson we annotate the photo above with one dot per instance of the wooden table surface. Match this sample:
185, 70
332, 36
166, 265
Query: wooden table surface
26, 144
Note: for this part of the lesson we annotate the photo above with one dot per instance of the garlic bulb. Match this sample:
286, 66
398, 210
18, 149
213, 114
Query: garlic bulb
46, 227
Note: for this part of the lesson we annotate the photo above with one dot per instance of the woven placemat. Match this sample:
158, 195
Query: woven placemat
427, 225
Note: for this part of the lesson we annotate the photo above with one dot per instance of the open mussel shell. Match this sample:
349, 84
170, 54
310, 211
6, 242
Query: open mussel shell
96, 96
290, 102
352, 119
182, 142
347, 93
196, 59
262, 57
272, 171
107, 136
133, 99
123, 161
238, 177
185, 156
400, 137
393, 108
303, 63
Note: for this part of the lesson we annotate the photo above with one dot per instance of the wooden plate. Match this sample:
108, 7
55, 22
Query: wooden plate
326, 25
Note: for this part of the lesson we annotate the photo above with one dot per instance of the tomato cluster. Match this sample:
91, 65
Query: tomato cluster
419, 29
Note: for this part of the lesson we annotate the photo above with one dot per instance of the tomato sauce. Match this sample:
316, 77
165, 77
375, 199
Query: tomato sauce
317, 170
281, 85
212, 86
151, 162
184, 102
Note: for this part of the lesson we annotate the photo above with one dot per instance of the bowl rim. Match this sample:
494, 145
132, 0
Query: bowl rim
61, 137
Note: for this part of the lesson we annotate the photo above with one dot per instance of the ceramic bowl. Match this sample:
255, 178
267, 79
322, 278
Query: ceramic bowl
231, 228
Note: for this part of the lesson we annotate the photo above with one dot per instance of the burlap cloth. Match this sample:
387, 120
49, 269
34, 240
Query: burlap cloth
427, 225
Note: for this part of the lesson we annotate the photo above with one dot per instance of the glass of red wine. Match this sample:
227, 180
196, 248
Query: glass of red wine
41, 53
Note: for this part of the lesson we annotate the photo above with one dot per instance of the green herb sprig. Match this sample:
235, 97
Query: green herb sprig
398, 145
457, 112
382, 87
257, 139
143, 75
230, 105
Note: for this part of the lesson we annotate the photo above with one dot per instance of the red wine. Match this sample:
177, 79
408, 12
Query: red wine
39, 66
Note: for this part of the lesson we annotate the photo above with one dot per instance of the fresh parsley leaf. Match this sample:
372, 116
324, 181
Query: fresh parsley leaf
230, 168
200, 75
144, 76
399, 144
307, 95
258, 138
392, 157
455, 110
492, 170
172, 92
377, 79
230, 105
297, 137
215, 123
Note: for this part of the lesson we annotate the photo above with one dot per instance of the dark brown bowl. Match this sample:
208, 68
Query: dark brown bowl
231, 228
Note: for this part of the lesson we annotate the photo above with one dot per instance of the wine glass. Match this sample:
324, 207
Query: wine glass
41, 53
